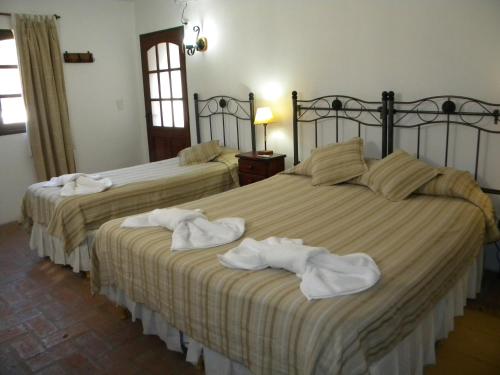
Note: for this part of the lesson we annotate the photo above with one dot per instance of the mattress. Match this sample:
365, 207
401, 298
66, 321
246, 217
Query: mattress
135, 189
423, 246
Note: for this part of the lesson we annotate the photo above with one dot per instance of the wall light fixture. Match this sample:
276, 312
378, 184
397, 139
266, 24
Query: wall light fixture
198, 43
192, 40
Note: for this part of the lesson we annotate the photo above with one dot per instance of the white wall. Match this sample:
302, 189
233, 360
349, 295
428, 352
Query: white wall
359, 48
105, 136
353, 47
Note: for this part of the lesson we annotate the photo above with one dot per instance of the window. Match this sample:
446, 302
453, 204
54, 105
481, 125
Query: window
165, 85
12, 110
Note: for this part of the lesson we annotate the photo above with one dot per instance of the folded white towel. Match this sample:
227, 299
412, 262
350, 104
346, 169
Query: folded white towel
191, 229
323, 274
65, 178
85, 185
162, 217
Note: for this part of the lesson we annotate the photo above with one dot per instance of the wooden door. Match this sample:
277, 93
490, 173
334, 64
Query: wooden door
165, 92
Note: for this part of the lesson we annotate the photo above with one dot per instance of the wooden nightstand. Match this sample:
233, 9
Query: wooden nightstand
254, 167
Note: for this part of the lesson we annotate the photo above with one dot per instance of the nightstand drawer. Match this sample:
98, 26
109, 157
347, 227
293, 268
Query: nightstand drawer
253, 167
246, 178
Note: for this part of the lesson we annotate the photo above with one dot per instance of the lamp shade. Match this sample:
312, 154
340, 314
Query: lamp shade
264, 115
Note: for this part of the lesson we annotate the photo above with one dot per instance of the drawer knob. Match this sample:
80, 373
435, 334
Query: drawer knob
250, 166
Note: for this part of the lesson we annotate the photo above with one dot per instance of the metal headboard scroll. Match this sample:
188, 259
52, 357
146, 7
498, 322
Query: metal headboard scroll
450, 110
357, 111
225, 106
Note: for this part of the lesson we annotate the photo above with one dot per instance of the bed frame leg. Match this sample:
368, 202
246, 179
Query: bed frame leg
123, 313
201, 364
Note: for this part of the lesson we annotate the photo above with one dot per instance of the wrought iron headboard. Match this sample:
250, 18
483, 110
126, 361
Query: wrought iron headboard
338, 107
225, 106
443, 109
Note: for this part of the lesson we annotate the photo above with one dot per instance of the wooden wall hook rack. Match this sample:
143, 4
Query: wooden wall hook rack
78, 57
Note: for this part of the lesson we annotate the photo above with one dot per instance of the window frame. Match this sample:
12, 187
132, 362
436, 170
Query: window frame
15, 128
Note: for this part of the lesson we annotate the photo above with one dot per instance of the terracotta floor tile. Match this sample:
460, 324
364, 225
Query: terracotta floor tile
78, 364
55, 310
30, 301
65, 294
51, 355
55, 369
79, 314
14, 319
10, 333
41, 326
64, 335
10, 361
12, 275
159, 362
132, 348
14, 369
4, 307
27, 346
116, 331
124, 367
92, 345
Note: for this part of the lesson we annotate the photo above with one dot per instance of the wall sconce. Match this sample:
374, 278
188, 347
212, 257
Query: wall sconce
192, 43
198, 43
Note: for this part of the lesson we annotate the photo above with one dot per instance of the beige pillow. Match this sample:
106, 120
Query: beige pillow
338, 162
460, 184
304, 168
398, 175
449, 182
200, 153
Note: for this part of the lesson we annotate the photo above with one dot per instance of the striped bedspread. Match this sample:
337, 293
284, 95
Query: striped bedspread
136, 189
261, 319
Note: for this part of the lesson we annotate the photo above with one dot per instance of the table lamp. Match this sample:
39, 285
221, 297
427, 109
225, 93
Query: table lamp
264, 116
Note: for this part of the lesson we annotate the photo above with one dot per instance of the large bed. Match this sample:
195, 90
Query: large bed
63, 228
428, 249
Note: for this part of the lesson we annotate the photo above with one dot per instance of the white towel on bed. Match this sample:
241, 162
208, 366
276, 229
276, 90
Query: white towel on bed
65, 178
191, 228
85, 185
323, 274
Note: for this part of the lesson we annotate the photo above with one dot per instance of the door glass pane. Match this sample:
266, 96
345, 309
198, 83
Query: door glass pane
153, 86
166, 106
155, 113
162, 55
10, 81
13, 110
178, 114
176, 84
165, 85
8, 54
152, 58
174, 55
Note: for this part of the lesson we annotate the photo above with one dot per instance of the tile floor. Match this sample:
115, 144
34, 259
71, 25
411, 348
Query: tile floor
50, 324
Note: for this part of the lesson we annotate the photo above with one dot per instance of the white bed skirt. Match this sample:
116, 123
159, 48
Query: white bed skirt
50, 246
408, 357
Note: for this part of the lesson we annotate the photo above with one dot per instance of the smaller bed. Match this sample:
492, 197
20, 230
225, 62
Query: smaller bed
63, 228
